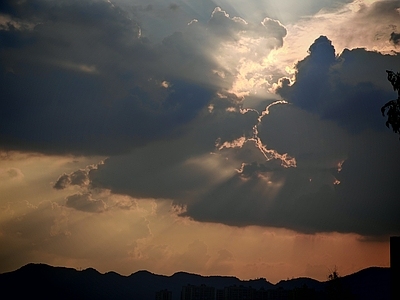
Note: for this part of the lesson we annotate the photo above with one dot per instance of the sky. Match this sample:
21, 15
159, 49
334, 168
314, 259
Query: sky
214, 137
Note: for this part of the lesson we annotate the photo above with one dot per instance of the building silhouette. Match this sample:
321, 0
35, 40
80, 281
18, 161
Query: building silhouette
164, 295
238, 292
395, 267
194, 292
248, 293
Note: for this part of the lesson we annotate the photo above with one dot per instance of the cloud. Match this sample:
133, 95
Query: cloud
372, 23
355, 24
189, 165
345, 157
205, 169
341, 88
395, 38
171, 115
221, 188
93, 85
85, 202
79, 178
244, 50
10, 174
286, 12
308, 199
348, 93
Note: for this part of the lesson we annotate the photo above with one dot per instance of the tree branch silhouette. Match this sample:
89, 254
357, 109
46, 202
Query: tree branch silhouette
392, 108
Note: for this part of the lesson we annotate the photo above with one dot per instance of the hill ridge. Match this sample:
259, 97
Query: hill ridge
47, 282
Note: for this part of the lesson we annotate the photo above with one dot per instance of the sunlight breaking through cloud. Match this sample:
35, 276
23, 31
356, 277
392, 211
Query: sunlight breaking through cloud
286, 160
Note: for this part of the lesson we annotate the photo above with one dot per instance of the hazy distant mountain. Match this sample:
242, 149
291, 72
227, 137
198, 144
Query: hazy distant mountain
47, 282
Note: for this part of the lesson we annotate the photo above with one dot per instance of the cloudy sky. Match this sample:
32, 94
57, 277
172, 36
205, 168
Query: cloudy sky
216, 137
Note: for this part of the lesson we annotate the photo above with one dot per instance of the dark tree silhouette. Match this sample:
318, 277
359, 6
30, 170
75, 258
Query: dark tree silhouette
335, 288
392, 108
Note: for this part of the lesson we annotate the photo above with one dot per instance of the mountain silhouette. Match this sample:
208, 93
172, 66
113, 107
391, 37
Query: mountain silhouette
47, 282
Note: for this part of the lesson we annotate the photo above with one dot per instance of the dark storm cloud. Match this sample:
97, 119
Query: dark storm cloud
78, 77
107, 90
343, 182
178, 168
347, 163
339, 99
267, 194
298, 205
81, 80
347, 88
